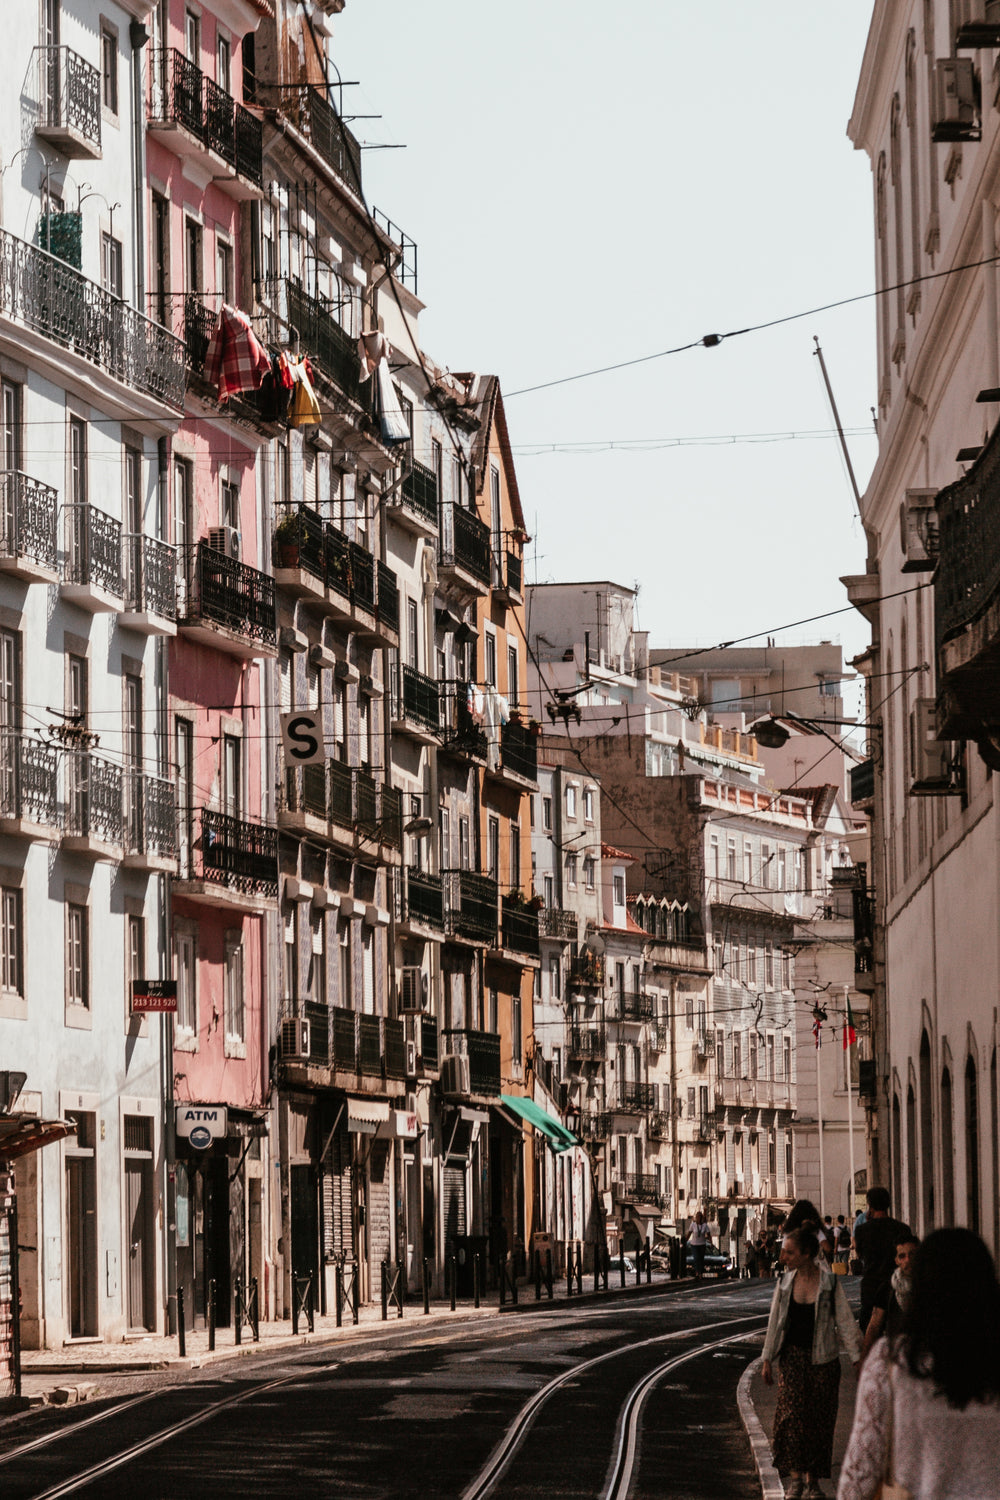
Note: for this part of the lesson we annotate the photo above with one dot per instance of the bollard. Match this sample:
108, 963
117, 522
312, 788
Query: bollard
569, 1270
255, 1314
453, 1267
238, 1310
180, 1322
548, 1274
476, 1273
605, 1265
211, 1314
354, 1295
638, 1268
597, 1268
385, 1291
621, 1265
649, 1267
339, 1294
538, 1276
579, 1269
426, 1285
400, 1287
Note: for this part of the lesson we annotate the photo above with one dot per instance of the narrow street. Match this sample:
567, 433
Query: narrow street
608, 1400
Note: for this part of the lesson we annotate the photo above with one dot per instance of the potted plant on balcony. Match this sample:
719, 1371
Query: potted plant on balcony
534, 728
286, 542
535, 902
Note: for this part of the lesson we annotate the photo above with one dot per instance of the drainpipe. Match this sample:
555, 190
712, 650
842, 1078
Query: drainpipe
138, 36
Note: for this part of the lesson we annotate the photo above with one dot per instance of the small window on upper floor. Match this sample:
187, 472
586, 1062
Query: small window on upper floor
588, 804
111, 265
618, 889
109, 69
547, 814
224, 63
571, 801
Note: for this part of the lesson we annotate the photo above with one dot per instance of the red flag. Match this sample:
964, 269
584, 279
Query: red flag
850, 1035
818, 1030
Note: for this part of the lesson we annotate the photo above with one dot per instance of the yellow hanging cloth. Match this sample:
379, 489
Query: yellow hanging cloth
303, 409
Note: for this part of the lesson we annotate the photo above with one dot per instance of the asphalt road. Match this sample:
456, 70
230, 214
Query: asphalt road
632, 1398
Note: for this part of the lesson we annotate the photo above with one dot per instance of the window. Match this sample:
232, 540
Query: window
589, 867
618, 889
768, 1056
224, 63
769, 966
588, 804
11, 942
571, 801
496, 528
135, 951
490, 648
786, 1057
346, 995
689, 1012
186, 975
691, 1107
232, 798
77, 955
444, 839
291, 954
765, 866
109, 69
751, 961
513, 676
493, 848
786, 969
492, 1010
225, 280
547, 814
737, 1055
571, 869
747, 861
235, 1008
464, 844
555, 979
731, 859
515, 855
752, 1053
229, 504
192, 36
516, 1038
412, 634
548, 891
192, 256
77, 461
714, 856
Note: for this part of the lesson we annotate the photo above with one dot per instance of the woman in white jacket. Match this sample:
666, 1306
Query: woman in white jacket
927, 1416
810, 1321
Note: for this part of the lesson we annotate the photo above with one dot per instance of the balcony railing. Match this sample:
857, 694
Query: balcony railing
50, 297
180, 94
231, 594
471, 905
415, 697
658, 1125
482, 1048
587, 973
555, 923
595, 1126
514, 573
95, 807
330, 347
465, 543
519, 751
459, 731
863, 781
29, 780
428, 1047
419, 493
27, 518
150, 816
94, 549
387, 601
150, 576
236, 853
348, 797
346, 1041
635, 1097
642, 1186
424, 899
634, 1005
588, 1042
519, 928
69, 93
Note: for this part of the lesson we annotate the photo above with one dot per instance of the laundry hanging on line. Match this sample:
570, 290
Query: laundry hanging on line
374, 350
236, 360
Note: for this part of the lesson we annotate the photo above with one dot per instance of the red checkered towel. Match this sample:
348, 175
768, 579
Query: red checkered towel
235, 360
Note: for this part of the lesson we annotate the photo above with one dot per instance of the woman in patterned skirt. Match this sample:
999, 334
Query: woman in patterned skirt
810, 1322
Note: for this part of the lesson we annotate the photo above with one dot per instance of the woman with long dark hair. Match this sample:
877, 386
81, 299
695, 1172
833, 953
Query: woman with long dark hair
809, 1324
928, 1410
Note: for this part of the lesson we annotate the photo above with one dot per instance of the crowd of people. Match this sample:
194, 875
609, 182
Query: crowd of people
926, 1344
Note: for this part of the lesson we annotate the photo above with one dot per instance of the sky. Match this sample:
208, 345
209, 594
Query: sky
589, 185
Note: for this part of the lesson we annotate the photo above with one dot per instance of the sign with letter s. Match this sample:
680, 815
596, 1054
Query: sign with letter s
302, 737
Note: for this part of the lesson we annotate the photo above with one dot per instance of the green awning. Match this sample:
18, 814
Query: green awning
559, 1138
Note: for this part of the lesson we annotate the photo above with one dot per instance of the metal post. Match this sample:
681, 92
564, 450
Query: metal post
354, 1294
621, 1261
502, 1268
638, 1268
426, 1285
238, 1311
513, 1284
255, 1311
597, 1267
548, 1274
180, 1322
538, 1276
475, 1279
400, 1286
579, 1269
295, 1304
211, 1314
453, 1268
339, 1293
569, 1269
605, 1262
385, 1291
649, 1266
312, 1303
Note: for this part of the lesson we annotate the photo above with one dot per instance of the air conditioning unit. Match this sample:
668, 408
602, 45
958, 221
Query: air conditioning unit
225, 539
977, 23
411, 1059
620, 1189
413, 988
918, 531
956, 106
294, 1037
455, 1076
931, 759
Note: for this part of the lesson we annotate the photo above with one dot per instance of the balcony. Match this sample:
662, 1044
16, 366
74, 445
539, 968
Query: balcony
518, 757
595, 1126
558, 924
93, 576
464, 551
28, 545
470, 906
319, 122
588, 1043
206, 123
415, 707
587, 973
42, 293
150, 586
225, 604
737, 893
195, 315
233, 863
414, 503
29, 788
658, 1125
69, 98
338, 1040
343, 805
150, 823
461, 736
508, 577
422, 905
482, 1048
641, 1187
634, 1005
95, 807
519, 929
315, 561
333, 352
635, 1098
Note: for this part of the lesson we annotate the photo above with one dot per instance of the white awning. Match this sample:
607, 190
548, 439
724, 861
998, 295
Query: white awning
364, 1116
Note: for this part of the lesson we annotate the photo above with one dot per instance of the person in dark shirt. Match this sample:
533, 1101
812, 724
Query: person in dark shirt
892, 1297
875, 1241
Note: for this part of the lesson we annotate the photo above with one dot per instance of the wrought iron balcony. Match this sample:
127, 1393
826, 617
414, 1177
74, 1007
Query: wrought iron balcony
555, 923
387, 601
395, 1048
642, 1187
464, 547
518, 754
93, 575
634, 1005
233, 857
324, 129
332, 350
588, 1042
29, 785
347, 798
461, 735
428, 1046
415, 706
181, 95
28, 546
635, 1098
69, 97
595, 1126
588, 972
150, 821
424, 900
150, 578
658, 1125
519, 927
471, 908
416, 500
229, 604
370, 1045
508, 576
482, 1048
344, 1039
316, 1050
45, 294
95, 804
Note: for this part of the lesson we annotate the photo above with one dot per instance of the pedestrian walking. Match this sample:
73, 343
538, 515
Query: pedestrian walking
842, 1246
893, 1297
699, 1237
927, 1417
751, 1258
810, 1322
804, 1212
875, 1241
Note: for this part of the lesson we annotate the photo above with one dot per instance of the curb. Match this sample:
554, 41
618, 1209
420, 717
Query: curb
770, 1480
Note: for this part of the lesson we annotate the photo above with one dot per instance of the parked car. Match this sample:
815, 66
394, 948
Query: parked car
615, 1265
715, 1262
